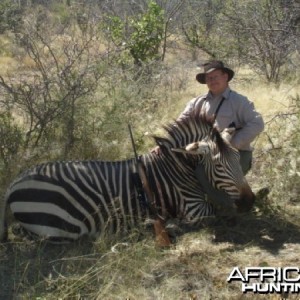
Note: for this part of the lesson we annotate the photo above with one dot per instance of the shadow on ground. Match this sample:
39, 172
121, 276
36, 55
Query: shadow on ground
269, 233
26, 263
28, 267
31, 268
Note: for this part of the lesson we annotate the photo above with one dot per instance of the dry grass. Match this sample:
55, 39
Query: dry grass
198, 264
6, 64
195, 268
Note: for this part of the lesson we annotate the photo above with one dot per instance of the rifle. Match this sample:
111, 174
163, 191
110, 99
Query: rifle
146, 198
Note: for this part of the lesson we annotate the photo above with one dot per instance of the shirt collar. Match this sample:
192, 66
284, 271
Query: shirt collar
225, 94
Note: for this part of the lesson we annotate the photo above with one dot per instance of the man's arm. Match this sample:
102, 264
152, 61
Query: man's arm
194, 103
253, 125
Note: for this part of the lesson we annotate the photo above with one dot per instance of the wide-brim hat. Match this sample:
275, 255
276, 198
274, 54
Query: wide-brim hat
211, 66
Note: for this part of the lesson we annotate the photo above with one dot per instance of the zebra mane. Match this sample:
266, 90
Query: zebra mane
192, 128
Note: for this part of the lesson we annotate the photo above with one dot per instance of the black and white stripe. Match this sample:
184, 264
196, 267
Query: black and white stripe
71, 199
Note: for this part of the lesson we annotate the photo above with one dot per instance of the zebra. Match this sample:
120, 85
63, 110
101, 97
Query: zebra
67, 200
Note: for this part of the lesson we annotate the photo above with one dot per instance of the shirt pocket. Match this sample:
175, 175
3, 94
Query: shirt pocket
225, 117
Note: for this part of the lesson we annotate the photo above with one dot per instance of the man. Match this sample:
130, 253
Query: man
230, 109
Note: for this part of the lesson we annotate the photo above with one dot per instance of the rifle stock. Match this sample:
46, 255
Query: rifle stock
161, 237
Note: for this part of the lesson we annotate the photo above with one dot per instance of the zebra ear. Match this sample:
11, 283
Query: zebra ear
163, 143
197, 148
160, 141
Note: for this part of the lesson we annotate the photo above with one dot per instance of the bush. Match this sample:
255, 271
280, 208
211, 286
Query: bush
278, 161
11, 141
10, 16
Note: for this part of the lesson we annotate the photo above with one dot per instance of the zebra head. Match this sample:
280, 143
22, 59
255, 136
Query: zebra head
197, 140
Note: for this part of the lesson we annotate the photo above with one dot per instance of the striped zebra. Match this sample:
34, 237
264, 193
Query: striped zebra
71, 199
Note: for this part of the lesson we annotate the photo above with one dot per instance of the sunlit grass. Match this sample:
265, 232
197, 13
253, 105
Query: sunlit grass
197, 266
6, 64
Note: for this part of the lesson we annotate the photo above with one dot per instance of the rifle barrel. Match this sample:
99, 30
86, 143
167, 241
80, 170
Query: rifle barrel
132, 142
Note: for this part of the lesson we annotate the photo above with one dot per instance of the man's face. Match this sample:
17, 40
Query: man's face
216, 81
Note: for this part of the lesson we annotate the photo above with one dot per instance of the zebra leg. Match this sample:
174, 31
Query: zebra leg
219, 199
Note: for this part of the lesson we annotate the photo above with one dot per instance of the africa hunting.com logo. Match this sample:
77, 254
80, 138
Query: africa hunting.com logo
267, 280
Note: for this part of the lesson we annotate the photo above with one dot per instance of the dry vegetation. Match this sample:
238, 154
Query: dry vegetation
198, 264
196, 268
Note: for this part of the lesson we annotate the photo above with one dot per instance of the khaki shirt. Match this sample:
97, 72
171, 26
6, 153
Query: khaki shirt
235, 108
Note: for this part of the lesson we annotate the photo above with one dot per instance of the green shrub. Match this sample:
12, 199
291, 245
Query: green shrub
139, 37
